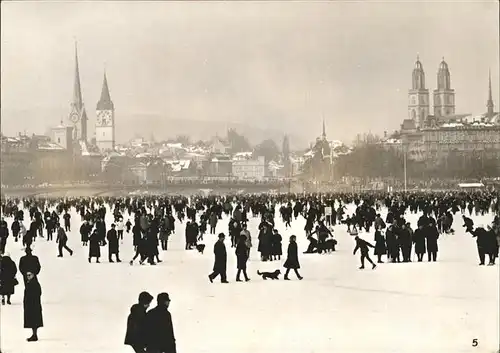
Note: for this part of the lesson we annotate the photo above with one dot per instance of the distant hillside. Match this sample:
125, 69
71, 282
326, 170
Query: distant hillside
200, 130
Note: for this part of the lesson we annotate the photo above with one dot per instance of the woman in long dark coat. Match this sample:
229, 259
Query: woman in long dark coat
292, 260
277, 248
32, 305
419, 241
85, 229
380, 248
241, 258
8, 281
95, 245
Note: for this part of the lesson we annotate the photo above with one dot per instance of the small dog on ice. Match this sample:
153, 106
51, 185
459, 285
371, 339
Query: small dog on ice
200, 248
272, 275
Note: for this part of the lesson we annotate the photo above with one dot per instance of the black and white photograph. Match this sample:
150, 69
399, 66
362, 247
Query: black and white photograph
250, 176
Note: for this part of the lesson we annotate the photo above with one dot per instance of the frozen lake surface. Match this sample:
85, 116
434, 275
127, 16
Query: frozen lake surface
401, 308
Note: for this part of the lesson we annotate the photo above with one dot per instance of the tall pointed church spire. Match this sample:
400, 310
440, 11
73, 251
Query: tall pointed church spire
324, 130
77, 90
105, 102
490, 105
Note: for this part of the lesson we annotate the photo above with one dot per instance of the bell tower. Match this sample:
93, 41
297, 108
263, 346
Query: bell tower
105, 124
418, 96
444, 96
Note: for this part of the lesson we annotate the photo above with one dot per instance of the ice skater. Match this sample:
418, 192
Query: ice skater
61, 240
363, 245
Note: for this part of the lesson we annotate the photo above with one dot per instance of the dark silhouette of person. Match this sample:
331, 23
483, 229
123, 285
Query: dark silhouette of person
468, 224
241, 258
159, 328
419, 240
481, 236
292, 259
32, 305
432, 236
363, 245
220, 263
62, 240
29, 263
113, 244
136, 322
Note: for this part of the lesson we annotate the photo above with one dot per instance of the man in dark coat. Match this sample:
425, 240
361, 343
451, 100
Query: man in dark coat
32, 305
220, 263
4, 234
159, 328
15, 228
481, 236
62, 240
29, 263
363, 245
432, 236
113, 244
292, 259
241, 258
67, 222
136, 321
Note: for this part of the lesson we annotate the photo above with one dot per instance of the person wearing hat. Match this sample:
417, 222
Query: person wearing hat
220, 263
136, 321
32, 305
159, 328
29, 263
113, 244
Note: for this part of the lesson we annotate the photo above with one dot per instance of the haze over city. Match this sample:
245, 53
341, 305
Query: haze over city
278, 66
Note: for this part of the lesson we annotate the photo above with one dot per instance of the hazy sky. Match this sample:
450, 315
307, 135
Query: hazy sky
277, 64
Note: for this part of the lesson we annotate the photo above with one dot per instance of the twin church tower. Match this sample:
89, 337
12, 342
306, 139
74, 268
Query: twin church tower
444, 95
105, 112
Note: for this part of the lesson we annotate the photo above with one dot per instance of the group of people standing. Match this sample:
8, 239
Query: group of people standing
153, 223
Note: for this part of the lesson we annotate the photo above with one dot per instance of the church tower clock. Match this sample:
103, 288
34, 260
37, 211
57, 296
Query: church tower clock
105, 124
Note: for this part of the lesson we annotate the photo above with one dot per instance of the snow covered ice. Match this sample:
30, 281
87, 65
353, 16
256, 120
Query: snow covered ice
414, 307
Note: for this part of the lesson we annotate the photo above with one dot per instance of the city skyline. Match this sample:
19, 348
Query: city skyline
257, 71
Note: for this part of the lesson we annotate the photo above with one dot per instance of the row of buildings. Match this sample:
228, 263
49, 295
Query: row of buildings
68, 153
37, 159
433, 138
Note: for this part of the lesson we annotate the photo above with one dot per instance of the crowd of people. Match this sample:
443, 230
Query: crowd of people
151, 222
